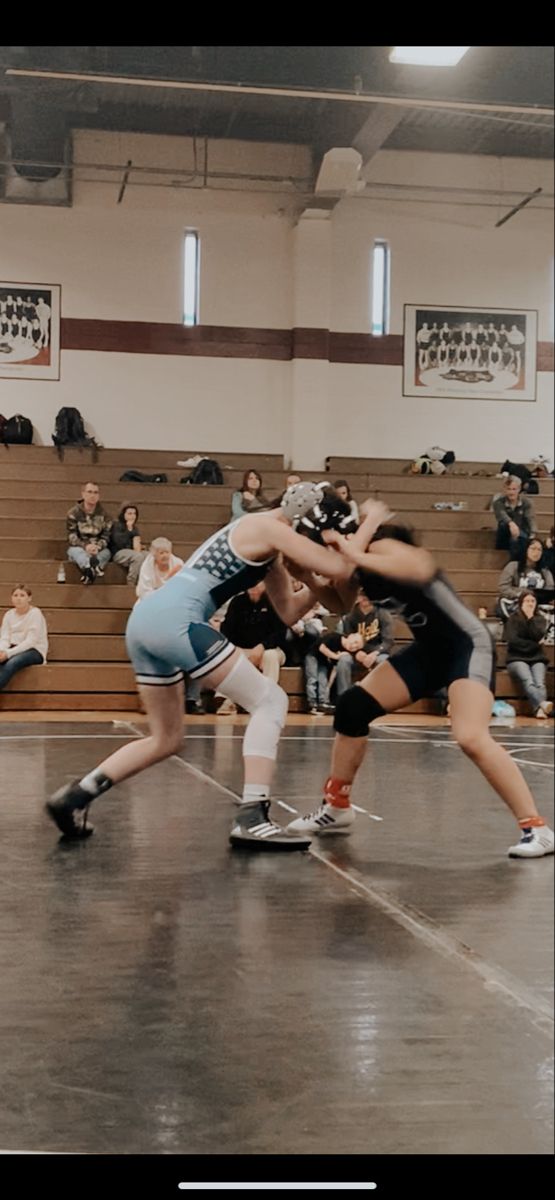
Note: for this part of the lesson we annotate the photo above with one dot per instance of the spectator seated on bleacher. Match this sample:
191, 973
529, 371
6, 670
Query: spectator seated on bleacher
333, 650
317, 668
526, 661
250, 496
252, 623
301, 637
516, 521
548, 557
526, 575
125, 543
23, 635
291, 479
375, 628
344, 492
88, 528
159, 566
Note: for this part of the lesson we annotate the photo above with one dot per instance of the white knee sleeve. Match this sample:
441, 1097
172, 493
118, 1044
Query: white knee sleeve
266, 702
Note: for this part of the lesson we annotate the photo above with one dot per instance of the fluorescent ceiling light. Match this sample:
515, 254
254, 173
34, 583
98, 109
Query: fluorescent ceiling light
428, 56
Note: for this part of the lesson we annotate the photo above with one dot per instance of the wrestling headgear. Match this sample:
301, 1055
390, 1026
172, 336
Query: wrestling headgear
314, 507
300, 498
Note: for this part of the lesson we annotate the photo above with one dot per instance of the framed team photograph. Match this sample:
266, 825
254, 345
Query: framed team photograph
470, 353
30, 330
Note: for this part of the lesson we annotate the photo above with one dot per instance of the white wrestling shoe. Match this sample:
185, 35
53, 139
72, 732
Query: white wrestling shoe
326, 819
536, 841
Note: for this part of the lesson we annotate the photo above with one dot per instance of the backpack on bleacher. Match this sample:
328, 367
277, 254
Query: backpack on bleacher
208, 470
17, 431
69, 429
140, 477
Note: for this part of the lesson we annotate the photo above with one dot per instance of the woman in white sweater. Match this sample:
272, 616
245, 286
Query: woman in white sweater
23, 635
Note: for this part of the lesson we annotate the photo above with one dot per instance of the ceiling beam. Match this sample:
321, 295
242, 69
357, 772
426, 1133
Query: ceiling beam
301, 93
380, 122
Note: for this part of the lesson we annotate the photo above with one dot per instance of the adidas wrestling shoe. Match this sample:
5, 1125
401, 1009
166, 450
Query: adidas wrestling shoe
253, 830
536, 841
326, 819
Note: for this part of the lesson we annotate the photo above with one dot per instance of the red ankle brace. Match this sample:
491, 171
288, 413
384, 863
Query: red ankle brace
337, 793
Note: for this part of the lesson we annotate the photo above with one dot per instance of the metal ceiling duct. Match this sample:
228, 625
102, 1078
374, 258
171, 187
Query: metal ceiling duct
37, 152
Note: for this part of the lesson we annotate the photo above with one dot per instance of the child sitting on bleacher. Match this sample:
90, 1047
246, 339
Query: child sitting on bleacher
23, 635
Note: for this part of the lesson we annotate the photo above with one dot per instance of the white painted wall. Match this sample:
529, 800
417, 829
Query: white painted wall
259, 268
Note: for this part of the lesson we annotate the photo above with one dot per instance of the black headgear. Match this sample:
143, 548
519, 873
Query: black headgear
328, 513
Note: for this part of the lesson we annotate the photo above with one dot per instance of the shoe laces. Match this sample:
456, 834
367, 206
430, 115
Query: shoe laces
318, 812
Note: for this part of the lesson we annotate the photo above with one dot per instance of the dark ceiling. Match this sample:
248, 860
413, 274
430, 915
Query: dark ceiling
497, 101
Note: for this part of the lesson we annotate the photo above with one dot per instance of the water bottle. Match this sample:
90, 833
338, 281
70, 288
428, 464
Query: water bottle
61, 576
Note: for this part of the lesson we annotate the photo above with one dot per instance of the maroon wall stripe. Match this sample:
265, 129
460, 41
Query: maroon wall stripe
225, 341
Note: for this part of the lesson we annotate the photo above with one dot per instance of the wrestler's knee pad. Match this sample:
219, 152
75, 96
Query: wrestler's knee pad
355, 711
267, 721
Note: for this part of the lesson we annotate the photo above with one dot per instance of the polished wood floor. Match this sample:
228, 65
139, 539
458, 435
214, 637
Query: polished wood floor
386, 994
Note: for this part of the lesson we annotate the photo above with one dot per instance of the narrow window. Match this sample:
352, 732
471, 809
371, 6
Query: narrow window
380, 288
191, 277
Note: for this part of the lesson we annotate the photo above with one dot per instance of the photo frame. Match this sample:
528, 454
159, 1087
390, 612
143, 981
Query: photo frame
469, 353
30, 330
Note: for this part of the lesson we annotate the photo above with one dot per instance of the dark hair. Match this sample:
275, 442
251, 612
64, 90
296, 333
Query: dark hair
524, 556
22, 587
251, 471
343, 483
400, 533
523, 596
91, 482
122, 512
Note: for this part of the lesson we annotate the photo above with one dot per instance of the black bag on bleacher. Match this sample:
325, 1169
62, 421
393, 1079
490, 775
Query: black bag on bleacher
17, 431
140, 477
70, 430
208, 470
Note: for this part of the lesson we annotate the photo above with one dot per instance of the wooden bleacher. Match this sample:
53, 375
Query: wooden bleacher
87, 667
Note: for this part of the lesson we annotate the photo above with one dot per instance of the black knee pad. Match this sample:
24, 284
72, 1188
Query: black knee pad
355, 711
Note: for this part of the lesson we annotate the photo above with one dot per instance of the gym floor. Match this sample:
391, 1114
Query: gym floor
385, 993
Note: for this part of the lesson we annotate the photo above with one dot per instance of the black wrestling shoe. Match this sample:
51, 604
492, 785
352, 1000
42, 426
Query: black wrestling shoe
68, 809
253, 830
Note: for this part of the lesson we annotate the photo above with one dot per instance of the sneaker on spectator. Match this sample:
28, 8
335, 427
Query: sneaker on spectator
227, 709
88, 575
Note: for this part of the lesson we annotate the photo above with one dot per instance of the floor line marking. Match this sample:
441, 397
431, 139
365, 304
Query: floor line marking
527, 762
44, 737
437, 939
422, 927
62, 737
195, 770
